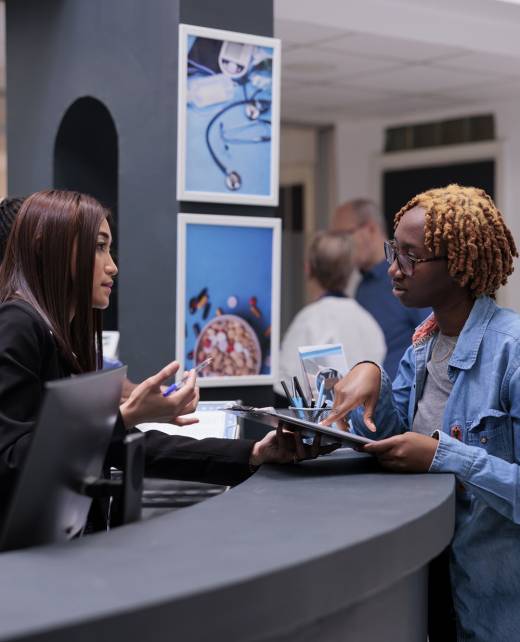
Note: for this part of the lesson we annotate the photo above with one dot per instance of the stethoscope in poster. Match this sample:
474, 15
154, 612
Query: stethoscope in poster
228, 127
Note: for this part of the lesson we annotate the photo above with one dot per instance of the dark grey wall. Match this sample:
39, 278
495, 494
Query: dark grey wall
123, 53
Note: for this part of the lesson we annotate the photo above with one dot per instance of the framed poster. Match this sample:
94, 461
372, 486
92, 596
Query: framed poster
228, 117
228, 298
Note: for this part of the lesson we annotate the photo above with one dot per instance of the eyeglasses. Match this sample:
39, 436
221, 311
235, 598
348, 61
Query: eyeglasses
406, 262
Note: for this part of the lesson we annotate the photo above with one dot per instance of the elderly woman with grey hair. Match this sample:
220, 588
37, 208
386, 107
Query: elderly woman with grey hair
332, 317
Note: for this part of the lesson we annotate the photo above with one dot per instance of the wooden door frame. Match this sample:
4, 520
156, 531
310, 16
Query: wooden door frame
303, 174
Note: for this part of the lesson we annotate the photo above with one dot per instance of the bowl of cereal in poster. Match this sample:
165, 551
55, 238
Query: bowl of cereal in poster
232, 343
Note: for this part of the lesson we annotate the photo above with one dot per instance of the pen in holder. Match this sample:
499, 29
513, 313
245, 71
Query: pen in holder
309, 414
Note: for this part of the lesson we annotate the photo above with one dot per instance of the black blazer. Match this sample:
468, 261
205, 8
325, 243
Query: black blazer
29, 357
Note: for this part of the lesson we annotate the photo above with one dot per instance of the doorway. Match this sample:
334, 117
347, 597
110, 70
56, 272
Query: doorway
86, 160
400, 185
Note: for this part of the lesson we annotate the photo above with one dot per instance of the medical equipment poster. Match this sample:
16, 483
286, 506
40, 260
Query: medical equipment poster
228, 117
228, 298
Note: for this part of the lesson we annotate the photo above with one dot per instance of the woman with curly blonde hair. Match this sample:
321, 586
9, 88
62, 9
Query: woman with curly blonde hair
454, 406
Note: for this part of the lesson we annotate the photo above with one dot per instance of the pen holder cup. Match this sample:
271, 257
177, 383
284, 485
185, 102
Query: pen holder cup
307, 437
298, 408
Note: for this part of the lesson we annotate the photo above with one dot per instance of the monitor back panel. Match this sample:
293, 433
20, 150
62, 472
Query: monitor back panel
70, 442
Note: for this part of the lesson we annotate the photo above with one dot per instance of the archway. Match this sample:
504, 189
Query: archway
86, 160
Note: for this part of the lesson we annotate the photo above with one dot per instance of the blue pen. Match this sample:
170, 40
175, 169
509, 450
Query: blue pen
177, 386
320, 394
298, 404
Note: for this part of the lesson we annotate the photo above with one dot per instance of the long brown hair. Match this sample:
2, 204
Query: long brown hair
49, 263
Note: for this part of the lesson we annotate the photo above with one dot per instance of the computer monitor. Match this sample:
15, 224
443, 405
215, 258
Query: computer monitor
70, 443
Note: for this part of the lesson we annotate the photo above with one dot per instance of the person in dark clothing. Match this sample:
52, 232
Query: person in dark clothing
55, 279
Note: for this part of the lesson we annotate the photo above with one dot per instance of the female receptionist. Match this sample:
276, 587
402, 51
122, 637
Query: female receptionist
55, 279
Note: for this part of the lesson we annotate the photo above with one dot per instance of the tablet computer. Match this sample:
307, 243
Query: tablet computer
305, 420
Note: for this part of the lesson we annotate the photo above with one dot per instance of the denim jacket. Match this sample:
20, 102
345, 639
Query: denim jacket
480, 444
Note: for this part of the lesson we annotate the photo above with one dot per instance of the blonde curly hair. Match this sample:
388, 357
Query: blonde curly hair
465, 224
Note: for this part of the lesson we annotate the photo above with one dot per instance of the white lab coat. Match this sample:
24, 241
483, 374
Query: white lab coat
331, 320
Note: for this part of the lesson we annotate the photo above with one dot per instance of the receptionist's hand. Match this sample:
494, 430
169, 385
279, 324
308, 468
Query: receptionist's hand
146, 402
360, 387
282, 446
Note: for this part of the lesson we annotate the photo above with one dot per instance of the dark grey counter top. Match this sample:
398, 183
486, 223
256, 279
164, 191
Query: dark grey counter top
289, 547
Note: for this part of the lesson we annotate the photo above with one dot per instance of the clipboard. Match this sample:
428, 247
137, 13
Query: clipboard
305, 420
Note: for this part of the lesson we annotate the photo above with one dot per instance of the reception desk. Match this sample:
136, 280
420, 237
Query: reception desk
331, 549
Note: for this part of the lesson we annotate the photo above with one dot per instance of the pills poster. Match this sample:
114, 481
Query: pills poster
228, 117
228, 298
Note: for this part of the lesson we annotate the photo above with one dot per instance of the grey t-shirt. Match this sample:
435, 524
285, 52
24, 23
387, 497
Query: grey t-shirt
437, 387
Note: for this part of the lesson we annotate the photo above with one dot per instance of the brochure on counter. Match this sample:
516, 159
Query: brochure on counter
305, 420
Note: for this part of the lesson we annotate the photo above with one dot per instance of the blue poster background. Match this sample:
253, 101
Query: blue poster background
229, 261
252, 160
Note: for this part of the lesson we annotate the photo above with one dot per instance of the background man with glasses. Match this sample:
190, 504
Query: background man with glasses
362, 219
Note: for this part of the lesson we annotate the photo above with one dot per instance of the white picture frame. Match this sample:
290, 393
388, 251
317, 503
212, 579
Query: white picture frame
228, 124
229, 267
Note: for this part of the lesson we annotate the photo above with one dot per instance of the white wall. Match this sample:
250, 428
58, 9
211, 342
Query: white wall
359, 146
298, 159
297, 145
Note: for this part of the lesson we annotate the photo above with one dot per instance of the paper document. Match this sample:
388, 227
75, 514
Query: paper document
212, 423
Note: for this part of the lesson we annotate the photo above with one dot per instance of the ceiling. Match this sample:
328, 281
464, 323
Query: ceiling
331, 73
